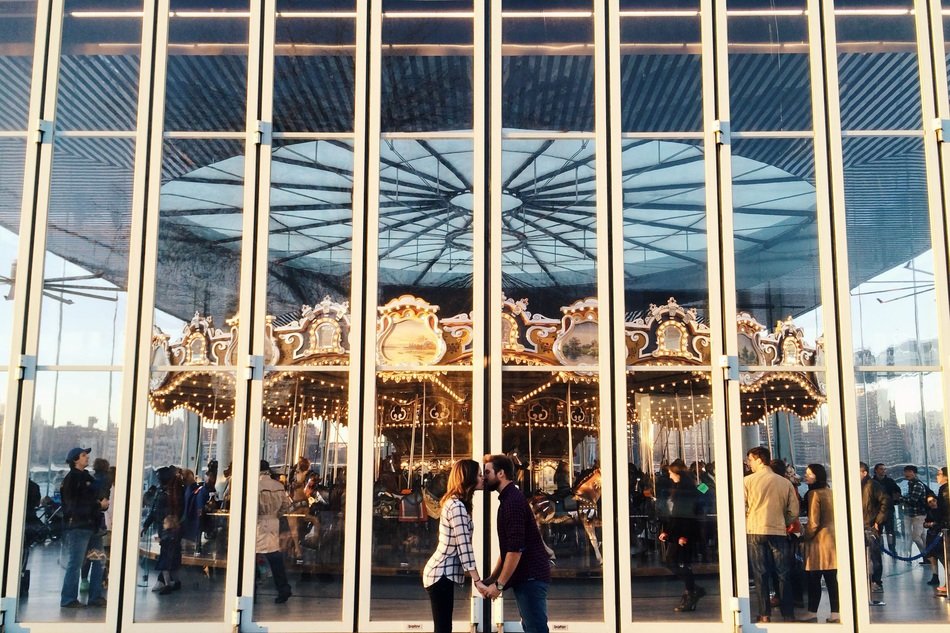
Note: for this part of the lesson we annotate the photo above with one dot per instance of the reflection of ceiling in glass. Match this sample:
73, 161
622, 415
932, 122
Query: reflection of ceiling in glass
884, 179
548, 200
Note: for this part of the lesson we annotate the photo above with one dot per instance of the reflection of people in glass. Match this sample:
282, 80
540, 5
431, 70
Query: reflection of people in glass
165, 513
680, 533
454, 556
915, 507
819, 537
937, 520
875, 505
83, 509
272, 501
894, 492
771, 506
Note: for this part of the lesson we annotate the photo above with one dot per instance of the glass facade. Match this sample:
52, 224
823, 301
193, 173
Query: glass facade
628, 244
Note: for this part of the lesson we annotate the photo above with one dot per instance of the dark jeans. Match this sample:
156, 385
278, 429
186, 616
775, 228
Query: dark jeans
276, 562
442, 599
814, 588
76, 543
771, 555
872, 540
532, 599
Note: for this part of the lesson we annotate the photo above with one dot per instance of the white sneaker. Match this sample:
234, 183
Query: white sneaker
158, 586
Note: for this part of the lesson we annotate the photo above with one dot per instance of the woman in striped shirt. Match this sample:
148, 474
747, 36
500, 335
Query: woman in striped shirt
454, 556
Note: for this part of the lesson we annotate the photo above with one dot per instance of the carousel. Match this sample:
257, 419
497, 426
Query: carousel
423, 413
550, 418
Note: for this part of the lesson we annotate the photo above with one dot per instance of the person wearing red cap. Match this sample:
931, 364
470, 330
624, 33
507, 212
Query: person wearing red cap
81, 508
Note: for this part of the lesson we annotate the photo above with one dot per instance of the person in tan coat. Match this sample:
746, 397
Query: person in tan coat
272, 502
819, 538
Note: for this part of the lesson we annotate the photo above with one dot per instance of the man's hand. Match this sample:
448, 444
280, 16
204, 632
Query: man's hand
682, 541
492, 592
104, 504
662, 537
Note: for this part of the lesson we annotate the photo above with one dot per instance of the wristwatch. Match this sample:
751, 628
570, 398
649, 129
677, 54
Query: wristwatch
500, 586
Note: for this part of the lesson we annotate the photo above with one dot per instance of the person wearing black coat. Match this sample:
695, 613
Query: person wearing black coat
680, 532
82, 509
165, 514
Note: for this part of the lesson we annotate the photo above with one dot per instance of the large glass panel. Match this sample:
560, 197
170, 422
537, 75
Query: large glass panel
17, 30
206, 88
769, 78
311, 231
550, 429
549, 247
877, 67
11, 192
547, 67
314, 66
776, 236
674, 553
305, 439
200, 226
889, 253
791, 532
660, 65
902, 437
67, 534
423, 425
425, 223
99, 69
87, 244
664, 231
427, 68
185, 498
189, 431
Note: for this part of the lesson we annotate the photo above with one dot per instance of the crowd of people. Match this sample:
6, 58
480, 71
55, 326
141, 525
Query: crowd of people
791, 540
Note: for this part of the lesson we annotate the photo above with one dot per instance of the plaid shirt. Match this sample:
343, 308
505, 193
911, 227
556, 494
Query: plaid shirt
454, 556
914, 501
518, 532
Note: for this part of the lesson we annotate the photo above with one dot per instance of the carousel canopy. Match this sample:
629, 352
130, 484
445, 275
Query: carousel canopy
311, 356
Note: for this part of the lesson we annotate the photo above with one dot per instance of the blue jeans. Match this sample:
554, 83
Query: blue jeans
771, 555
76, 543
532, 599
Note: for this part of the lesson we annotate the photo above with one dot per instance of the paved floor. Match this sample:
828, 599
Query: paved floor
401, 598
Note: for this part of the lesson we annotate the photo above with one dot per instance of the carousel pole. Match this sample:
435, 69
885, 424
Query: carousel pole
325, 448
412, 443
336, 443
681, 452
422, 444
570, 432
791, 444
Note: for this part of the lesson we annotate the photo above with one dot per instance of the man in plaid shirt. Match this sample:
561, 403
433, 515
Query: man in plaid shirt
524, 564
915, 507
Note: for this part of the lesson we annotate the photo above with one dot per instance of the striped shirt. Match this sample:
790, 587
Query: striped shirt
454, 556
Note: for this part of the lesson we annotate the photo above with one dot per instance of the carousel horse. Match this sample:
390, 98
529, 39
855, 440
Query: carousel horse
585, 497
432, 491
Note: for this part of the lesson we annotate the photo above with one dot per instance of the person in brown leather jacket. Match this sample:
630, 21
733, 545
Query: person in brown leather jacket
875, 506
